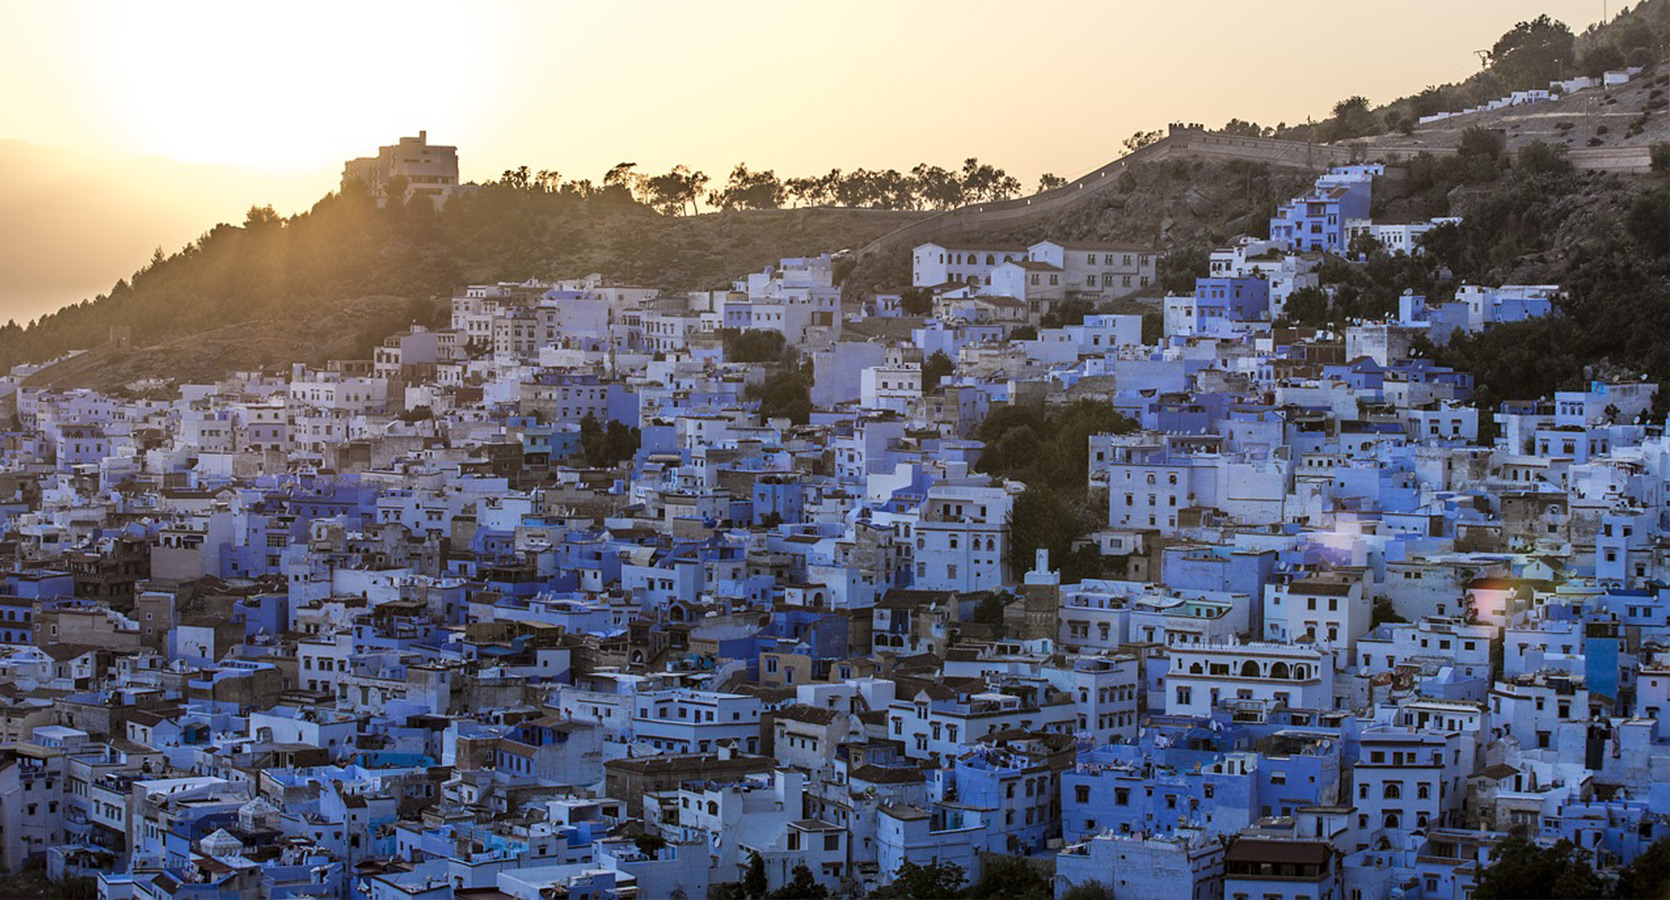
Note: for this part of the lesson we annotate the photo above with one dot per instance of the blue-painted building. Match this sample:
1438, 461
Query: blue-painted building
1139, 789
1236, 299
1315, 222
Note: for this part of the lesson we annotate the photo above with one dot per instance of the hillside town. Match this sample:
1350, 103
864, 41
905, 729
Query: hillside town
605, 592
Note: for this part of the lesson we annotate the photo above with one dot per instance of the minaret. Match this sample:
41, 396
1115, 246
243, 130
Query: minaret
1041, 599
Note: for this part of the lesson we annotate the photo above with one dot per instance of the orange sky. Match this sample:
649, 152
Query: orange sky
798, 86
288, 91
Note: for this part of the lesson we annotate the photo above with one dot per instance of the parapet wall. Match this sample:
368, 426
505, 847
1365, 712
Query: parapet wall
1026, 211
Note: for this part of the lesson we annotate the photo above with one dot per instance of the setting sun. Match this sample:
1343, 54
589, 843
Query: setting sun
277, 86
875, 450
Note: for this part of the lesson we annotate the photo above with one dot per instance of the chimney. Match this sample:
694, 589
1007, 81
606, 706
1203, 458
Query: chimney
423, 137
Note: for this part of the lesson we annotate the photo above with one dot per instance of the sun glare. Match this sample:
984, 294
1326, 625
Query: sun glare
272, 87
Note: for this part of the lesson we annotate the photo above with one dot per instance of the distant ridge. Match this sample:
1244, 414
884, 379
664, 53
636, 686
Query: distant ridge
1024, 212
1194, 142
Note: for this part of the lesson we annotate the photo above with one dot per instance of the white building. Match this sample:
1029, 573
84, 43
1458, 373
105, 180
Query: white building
415, 166
1200, 677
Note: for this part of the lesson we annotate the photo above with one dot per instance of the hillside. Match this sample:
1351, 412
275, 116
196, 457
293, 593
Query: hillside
71, 224
287, 281
1530, 54
340, 330
1180, 204
278, 283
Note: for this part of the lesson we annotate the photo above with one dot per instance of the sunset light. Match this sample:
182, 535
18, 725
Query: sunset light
869, 450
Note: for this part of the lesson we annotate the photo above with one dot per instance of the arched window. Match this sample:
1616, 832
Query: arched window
1391, 820
1196, 669
1391, 791
991, 260
1249, 669
1279, 670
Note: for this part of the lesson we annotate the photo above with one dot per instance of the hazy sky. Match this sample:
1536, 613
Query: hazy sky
213, 106
801, 87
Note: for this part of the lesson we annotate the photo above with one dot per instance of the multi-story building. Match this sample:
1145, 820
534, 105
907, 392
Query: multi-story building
413, 167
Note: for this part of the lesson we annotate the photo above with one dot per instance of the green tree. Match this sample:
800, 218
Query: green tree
1067, 312
1177, 270
754, 883
1088, 890
783, 394
1600, 59
936, 186
1383, 612
1153, 327
1352, 118
935, 881
802, 190
1478, 142
1540, 158
937, 368
677, 190
753, 345
1533, 53
1648, 223
801, 886
1049, 181
1041, 519
1141, 139
1659, 153
1647, 877
1307, 307
1364, 244
915, 301
606, 445
989, 612
1520, 868
1429, 101
748, 189
262, 217
1052, 448
982, 181
1010, 878
622, 177
1245, 129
